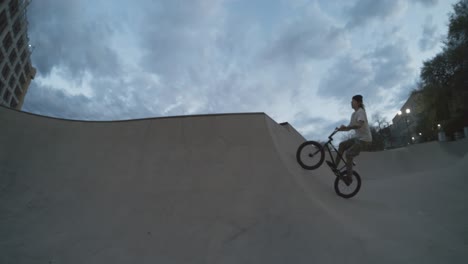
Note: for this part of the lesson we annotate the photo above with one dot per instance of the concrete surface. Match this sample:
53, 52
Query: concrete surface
218, 189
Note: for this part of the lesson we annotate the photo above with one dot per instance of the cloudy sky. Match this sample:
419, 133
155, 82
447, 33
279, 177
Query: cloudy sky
299, 61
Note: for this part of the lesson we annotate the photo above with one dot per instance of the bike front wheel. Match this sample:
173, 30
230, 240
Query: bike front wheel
345, 189
310, 155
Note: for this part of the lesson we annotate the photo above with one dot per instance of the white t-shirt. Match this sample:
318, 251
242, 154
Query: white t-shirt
364, 132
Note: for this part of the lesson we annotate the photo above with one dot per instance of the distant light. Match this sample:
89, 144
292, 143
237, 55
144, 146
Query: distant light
412, 138
408, 110
420, 134
438, 125
399, 112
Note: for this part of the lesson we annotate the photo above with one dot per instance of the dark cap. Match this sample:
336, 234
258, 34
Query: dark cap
358, 98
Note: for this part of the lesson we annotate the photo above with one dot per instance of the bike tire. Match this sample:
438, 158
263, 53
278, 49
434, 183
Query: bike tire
356, 185
301, 155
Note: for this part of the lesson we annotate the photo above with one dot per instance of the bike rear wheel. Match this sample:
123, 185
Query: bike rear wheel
310, 155
346, 190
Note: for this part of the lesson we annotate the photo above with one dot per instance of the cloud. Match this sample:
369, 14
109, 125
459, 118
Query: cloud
381, 69
365, 11
153, 58
391, 64
67, 35
56, 103
178, 36
317, 42
350, 74
102, 60
429, 38
427, 3
137, 97
312, 40
314, 127
312, 36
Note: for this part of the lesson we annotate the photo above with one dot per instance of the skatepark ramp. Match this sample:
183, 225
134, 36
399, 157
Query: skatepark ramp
217, 189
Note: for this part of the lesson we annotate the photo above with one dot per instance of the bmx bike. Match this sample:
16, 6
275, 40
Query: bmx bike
311, 154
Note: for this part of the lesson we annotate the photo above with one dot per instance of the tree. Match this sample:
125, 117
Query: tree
380, 121
444, 78
378, 139
456, 46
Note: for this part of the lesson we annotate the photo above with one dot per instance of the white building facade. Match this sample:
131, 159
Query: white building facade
16, 71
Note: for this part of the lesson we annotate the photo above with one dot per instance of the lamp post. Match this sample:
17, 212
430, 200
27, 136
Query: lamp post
408, 111
441, 133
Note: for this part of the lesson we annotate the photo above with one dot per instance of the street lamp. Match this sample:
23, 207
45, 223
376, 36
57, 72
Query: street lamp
406, 121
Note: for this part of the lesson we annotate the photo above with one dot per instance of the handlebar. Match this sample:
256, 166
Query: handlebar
330, 137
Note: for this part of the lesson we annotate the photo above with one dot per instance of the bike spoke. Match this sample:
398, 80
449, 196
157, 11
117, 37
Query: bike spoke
310, 155
347, 189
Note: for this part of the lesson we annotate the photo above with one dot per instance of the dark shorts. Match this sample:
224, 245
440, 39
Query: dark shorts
353, 147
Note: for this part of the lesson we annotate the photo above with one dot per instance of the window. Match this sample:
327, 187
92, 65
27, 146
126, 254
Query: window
18, 91
12, 81
22, 79
2, 87
17, 68
20, 43
13, 103
27, 70
5, 71
7, 41
3, 21
7, 95
14, 7
17, 26
23, 55
13, 56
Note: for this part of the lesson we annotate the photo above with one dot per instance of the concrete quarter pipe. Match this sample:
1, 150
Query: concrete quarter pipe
217, 189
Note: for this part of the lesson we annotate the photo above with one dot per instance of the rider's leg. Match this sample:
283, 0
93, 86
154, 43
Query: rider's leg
349, 166
352, 152
345, 145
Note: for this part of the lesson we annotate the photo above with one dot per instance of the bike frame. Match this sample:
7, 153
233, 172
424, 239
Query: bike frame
328, 146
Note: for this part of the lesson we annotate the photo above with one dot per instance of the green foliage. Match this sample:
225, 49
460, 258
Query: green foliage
444, 79
378, 140
437, 72
426, 128
458, 26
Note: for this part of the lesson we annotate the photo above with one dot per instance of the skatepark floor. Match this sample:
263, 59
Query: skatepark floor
218, 189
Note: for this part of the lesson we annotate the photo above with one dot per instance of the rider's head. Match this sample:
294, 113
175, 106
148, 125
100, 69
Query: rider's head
357, 102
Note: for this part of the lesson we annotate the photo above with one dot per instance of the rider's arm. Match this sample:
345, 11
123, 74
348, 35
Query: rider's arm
359, 125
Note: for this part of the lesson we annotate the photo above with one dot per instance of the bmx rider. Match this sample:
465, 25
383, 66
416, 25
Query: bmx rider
362, 138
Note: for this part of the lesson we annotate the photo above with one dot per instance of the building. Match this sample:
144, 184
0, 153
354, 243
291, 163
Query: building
15, 63
404, 125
